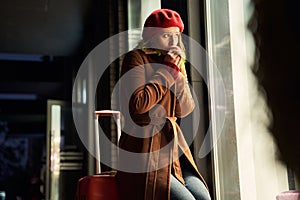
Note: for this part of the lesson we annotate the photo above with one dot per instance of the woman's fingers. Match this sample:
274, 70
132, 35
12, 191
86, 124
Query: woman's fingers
176, 50
173, 58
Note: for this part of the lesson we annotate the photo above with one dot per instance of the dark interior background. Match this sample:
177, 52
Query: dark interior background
42, 44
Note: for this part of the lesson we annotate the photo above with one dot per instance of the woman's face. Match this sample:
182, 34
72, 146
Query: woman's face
166, 38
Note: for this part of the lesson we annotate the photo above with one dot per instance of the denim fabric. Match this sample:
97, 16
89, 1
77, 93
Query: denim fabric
194, 188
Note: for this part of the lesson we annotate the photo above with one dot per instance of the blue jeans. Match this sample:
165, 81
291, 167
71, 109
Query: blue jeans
194, 188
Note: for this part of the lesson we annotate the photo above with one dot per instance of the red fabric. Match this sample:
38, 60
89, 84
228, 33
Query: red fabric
162, 18
173, 69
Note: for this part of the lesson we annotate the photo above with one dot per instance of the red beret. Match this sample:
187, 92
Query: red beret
162, 18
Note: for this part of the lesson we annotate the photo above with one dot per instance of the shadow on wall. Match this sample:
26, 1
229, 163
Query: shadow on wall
275, 26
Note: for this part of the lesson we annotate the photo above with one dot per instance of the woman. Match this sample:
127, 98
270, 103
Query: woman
155, 160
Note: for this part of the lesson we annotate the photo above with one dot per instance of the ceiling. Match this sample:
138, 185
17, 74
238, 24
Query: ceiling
47, 27
36, 37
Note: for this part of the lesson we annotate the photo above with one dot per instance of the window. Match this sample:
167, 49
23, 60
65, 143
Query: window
245, 165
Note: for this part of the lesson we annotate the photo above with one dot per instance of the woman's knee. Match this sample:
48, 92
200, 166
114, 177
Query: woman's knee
179, 191
197, 188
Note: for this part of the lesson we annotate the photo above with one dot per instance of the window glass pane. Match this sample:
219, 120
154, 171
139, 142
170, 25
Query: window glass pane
245, 162
138, 11
225, 161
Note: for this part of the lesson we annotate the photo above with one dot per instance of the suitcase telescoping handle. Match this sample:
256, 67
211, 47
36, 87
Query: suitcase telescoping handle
100, 113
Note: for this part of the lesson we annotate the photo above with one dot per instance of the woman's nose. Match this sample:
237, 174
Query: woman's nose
173, 40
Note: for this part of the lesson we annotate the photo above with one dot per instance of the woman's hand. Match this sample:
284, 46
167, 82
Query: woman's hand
174, 58
174, 55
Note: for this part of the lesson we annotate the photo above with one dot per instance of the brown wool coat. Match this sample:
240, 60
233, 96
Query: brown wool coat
143, 85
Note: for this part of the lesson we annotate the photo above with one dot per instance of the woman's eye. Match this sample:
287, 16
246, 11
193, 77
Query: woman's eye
166, 35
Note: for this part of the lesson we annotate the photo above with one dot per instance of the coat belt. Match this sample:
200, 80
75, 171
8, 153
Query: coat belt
158, 121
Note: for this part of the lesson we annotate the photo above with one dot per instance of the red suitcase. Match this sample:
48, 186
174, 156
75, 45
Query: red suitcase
102, 185
97, 187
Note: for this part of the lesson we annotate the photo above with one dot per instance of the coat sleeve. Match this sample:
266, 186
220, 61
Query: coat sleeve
184, 101
143, 94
